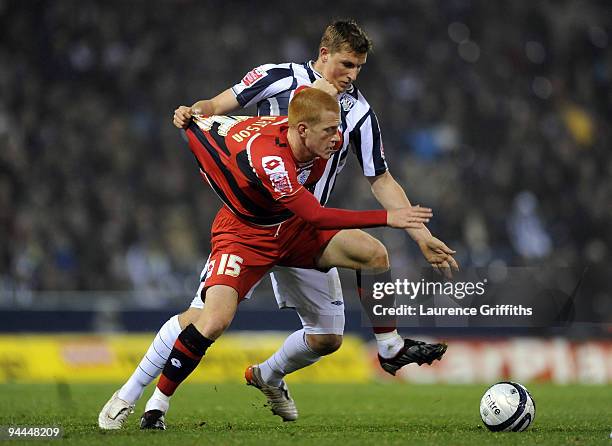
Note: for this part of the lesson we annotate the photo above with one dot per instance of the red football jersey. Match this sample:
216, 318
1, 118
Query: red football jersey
249, 164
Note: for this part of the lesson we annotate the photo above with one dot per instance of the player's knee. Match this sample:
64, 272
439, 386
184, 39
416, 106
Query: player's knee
324, 344
190, 316
379, 258
212, 327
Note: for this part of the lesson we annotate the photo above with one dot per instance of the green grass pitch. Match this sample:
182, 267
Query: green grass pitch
377, 414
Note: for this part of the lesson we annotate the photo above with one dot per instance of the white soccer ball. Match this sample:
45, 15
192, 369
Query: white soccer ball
507, 406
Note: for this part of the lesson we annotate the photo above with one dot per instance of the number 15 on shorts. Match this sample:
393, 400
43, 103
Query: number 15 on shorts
229, 264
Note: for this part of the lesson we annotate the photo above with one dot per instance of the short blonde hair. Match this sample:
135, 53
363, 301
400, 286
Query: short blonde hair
308, 105
345, 35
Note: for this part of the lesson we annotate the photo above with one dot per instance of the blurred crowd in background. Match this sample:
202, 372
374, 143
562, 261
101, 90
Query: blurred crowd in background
495, 114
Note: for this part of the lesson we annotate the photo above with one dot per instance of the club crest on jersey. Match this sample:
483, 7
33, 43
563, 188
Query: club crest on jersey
303, 176
253, 76
274, 167
281, 182
209, 269
347, 102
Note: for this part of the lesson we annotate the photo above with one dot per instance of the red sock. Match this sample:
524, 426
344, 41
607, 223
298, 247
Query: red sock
185, 356
365, 282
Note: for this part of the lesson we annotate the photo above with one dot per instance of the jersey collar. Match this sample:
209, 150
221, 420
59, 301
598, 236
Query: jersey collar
278, 132
310, 66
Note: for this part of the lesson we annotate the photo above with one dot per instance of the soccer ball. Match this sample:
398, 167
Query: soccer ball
507, 406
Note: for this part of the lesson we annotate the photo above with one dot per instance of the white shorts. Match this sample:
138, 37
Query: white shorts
315, 296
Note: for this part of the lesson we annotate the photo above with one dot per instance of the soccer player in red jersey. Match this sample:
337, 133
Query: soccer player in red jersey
260, 167
315, 295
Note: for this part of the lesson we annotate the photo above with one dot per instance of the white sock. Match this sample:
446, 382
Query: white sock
389, 344
153, 361
293, 355
158, 401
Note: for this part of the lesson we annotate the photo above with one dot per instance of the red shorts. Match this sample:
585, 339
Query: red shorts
241, 253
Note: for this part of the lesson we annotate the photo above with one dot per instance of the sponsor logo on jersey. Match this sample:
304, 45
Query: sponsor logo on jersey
347, 102
272, 164
337, 303
253, 76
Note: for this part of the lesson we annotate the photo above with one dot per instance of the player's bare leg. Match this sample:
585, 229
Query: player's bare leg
324, 344
121, 404
188, 350
356, 249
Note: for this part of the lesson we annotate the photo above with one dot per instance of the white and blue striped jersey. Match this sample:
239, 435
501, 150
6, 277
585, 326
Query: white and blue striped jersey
271, 87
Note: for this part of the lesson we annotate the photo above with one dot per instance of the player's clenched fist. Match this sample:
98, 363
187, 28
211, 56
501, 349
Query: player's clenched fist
326, 86
410, 217
182, 116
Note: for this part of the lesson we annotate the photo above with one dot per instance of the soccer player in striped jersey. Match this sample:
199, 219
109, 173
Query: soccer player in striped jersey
316, 296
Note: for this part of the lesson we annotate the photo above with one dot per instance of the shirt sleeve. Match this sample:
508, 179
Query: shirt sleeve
368, 146
305, 205
263, 82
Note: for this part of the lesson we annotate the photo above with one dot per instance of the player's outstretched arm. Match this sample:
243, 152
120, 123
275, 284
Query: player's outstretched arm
305, 205
221, 104
408, 217
391, 196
